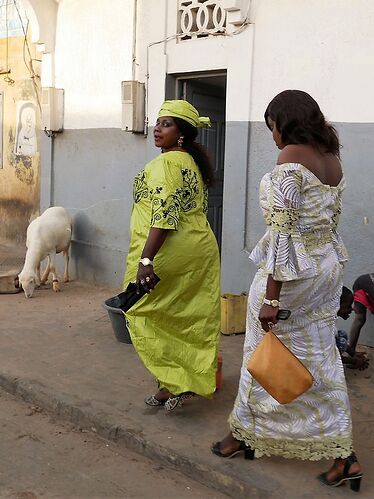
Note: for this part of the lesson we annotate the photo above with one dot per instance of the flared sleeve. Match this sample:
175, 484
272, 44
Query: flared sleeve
281, 251
165, 182
174, 189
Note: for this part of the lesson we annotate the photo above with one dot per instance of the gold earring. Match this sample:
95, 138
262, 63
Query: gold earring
180, 141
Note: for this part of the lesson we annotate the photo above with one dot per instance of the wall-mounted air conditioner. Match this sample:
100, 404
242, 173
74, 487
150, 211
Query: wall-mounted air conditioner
133, 99
52, 109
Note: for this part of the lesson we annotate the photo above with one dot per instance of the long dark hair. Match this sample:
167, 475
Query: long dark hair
197, 151
300, 121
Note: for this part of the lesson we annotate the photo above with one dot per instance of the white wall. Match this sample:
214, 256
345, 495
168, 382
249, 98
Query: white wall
93, 56
204, 54
322, 47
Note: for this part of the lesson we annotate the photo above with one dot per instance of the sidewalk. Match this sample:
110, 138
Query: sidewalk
59, 352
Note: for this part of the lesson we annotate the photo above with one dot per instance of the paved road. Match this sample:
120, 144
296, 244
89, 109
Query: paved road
43, 458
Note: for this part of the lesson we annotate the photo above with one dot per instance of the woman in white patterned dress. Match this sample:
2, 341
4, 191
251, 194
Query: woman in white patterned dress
300, 260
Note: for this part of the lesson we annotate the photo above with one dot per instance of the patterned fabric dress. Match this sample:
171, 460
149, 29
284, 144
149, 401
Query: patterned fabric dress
302, 249
175, 329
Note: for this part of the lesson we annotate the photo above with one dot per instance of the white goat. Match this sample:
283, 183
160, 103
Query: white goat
46, 235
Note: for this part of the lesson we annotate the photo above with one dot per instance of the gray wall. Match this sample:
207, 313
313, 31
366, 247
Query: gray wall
92, 175
358, 200
91, 172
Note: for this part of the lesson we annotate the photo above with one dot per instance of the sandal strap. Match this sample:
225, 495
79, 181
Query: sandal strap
153, 402
348, 463
173, 402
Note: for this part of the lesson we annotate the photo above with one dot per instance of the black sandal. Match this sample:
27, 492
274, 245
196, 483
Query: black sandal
248, 452
354, 478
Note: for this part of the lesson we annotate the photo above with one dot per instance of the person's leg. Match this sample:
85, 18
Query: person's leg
370, 287
366, 283
359, 321
363, 282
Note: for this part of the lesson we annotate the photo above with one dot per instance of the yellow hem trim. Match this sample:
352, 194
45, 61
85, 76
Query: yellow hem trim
312, 449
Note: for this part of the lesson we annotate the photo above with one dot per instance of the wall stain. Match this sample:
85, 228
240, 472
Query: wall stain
15, 215
22, 164
27, 89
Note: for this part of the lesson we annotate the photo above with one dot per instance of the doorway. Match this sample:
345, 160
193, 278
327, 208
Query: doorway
207, 92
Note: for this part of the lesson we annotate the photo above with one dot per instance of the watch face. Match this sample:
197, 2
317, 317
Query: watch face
146, 261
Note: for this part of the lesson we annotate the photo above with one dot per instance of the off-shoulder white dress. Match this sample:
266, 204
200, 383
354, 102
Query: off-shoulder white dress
301, 248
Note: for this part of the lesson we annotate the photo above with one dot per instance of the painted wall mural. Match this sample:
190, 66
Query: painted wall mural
26, 143
20, 134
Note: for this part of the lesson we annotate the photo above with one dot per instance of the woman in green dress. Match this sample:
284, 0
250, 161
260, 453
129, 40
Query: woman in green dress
175, 326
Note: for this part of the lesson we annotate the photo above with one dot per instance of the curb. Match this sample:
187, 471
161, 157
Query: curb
38, 394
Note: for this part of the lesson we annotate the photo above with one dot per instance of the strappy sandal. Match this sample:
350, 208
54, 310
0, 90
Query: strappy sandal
153, 402
249, 453
354, 478
177, 401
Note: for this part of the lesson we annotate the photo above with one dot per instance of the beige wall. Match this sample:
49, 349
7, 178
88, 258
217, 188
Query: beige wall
19, 175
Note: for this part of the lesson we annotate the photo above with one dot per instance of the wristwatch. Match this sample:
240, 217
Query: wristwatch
273, 303
146, 261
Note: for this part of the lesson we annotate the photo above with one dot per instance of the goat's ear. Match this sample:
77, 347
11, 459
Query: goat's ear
17, 283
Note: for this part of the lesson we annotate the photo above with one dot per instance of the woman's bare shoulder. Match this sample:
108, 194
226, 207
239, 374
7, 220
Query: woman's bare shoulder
294, 153
326, 167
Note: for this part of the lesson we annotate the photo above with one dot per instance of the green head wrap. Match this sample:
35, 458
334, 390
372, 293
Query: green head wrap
185, 111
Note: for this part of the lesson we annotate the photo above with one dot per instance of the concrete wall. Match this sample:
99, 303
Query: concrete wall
19, 173
357, 152
321, 47
89, 168
316, 46
93, 55
93, 172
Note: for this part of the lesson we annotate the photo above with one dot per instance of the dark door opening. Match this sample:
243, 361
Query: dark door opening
208, 94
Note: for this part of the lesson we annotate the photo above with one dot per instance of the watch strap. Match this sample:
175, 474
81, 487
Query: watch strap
146, 261
272, 303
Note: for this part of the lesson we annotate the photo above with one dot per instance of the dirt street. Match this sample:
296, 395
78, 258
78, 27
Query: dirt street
41, 457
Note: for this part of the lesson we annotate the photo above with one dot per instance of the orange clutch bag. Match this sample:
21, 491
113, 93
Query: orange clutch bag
278, 370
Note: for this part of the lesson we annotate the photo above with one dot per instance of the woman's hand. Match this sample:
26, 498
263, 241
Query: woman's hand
268, 316
145, 278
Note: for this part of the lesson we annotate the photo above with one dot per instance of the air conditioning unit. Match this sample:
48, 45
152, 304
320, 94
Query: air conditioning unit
133, 99
52, 109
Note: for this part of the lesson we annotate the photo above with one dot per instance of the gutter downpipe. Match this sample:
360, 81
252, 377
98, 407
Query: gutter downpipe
134, 38
164, 41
